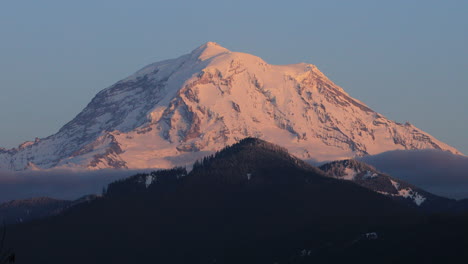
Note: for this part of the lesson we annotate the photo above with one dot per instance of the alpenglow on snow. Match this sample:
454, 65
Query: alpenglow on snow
175, 111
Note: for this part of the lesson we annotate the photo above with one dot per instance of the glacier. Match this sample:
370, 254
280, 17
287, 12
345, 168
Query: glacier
172, 112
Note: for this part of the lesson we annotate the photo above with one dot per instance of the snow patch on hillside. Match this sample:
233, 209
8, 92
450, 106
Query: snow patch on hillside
149, 180
395, 184
349, 174
370, 175
416, 197
409, 193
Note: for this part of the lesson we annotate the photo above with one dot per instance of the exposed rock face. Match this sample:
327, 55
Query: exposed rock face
175, 111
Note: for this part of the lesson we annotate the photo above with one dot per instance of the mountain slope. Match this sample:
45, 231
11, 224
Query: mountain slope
18, 211
370, 178
436, 171
175, 111
249, 203
21, 211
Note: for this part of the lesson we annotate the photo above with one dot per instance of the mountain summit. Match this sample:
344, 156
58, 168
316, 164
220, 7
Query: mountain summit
175, 111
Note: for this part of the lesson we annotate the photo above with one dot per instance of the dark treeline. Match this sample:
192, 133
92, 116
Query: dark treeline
143, 182
249, 203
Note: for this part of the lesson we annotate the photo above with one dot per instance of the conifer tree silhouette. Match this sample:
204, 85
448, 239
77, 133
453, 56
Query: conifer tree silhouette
6, 255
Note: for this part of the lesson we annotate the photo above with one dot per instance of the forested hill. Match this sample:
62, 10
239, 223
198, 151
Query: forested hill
249, 203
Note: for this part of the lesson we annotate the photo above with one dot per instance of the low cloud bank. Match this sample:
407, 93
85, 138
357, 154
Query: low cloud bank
59, 184
438, 172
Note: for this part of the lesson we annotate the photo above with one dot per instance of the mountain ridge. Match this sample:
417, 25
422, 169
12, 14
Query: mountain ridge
369, 177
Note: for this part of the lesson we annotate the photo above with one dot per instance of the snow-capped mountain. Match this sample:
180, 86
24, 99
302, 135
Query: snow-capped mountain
175, 111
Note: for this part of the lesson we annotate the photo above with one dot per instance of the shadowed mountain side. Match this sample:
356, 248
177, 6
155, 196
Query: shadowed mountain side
21, 211
18, 211
249, 203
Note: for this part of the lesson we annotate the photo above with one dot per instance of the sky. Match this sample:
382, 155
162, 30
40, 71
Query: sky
407, 60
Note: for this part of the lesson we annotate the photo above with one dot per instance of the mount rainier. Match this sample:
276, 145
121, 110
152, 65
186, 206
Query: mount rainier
175, 111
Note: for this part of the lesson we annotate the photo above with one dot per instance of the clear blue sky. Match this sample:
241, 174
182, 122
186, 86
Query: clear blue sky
405, 59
